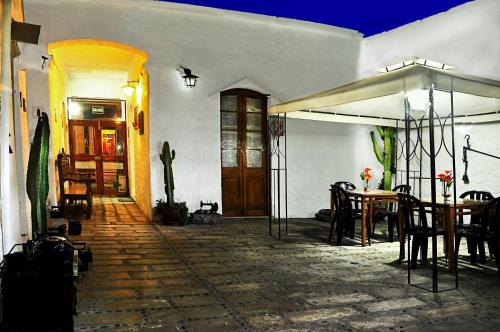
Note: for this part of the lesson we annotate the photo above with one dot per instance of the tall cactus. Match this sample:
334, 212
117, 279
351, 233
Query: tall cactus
387, 157
166, 157
37, 179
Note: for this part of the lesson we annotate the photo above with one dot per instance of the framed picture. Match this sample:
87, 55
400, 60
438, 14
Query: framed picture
140, 120
136, 120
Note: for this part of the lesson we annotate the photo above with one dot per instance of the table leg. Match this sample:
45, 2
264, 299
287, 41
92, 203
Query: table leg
369, 225
402, 237
363, 221
450, 240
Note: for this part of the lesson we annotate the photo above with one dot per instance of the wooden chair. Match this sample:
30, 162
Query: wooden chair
75, 189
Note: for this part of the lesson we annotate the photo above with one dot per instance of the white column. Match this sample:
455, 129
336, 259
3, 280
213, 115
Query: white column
8, 190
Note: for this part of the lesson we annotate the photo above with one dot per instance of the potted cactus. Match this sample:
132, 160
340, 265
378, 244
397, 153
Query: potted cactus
37, 179
387, 157
171, 212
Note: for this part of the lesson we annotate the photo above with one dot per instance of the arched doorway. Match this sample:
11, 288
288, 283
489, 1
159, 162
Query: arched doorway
96, 121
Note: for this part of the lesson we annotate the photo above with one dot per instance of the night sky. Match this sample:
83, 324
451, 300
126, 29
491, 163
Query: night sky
367, 16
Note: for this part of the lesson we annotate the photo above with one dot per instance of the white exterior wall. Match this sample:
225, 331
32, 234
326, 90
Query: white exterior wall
465, 37
322, 153
285, 58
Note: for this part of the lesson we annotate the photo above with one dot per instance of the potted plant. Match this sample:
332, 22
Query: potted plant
366, 177
170, 211
446, 179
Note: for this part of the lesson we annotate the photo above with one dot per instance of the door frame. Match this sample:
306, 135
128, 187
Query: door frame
242, 94
98, 157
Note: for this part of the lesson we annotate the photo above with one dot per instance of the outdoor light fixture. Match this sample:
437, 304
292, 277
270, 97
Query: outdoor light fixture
419, 102
189, 78
415, 61
128, 89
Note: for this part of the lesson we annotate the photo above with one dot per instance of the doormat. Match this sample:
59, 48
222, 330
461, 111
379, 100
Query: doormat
126, 200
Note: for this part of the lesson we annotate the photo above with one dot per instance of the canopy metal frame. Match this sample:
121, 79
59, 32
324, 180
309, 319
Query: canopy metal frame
278, 174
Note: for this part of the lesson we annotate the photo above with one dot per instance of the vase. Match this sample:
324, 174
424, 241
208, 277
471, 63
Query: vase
365, 187
446, 194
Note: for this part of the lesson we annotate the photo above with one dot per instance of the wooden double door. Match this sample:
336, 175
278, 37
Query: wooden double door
244, 153
100, 146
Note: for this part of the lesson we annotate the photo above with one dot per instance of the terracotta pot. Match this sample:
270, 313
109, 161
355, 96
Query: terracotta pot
170, 216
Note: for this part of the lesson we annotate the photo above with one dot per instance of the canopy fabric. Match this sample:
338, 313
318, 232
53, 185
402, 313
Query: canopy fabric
379, 100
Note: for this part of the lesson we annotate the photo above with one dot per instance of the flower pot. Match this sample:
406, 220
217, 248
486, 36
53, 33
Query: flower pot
170, 216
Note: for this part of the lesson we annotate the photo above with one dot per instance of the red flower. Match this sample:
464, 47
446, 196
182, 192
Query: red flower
367, 169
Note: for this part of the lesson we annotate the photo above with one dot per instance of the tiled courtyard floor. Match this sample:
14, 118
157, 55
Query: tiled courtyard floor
235, 277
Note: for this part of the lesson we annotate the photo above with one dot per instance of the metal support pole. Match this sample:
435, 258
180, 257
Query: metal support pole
455, 261
279, 181
407, 143
286, 181
432, 153
270, 175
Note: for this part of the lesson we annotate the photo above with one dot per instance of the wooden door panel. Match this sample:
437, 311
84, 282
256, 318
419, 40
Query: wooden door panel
255, 195
231, 199
244, 153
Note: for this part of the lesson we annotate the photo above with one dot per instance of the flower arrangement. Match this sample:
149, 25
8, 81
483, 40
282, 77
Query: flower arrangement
446, 179
366, 177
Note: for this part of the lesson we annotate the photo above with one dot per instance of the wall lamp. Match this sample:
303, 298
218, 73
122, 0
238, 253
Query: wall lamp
189, 78
128, 89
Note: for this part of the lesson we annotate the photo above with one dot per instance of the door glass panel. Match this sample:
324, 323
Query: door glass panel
229, 120
229, 140
254, 158
120, 141
254, 105
254, 140
84, 140
108, 141
229, 103
114, 176
254, 121
229, 158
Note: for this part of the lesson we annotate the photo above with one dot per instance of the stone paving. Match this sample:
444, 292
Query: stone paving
235, 277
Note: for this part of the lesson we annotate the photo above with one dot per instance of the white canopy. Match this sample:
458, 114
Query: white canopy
379, 100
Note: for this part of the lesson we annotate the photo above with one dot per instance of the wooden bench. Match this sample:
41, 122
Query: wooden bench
75, 189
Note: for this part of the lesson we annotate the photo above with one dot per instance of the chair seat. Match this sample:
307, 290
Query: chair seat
427, 231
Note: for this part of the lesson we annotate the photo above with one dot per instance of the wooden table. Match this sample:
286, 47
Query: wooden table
367, 199
448, 211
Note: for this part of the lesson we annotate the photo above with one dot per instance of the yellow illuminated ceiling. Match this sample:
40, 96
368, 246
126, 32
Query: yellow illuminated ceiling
76, 58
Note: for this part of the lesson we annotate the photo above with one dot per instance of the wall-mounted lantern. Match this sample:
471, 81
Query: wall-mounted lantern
128, 89
189, 78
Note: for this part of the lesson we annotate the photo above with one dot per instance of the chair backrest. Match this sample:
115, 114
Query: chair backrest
64, 170
345, 185
341, 201
490, 218
413, 212
477, 195
402, 188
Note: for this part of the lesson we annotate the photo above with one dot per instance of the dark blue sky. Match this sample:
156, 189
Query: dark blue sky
367, 16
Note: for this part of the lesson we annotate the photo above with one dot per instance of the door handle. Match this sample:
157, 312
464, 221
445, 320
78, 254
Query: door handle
97, 158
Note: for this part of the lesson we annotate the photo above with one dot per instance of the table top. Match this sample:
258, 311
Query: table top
461, 202
373, 193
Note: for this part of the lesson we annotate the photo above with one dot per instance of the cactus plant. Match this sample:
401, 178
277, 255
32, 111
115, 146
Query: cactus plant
387, 157
37, 179
167, 157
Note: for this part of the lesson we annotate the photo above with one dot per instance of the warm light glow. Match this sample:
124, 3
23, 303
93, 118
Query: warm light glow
128, 89
74, 109
138, 93
419, 100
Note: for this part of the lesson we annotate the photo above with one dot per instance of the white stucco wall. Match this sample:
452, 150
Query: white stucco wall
465, 37
321, 153
286, 58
